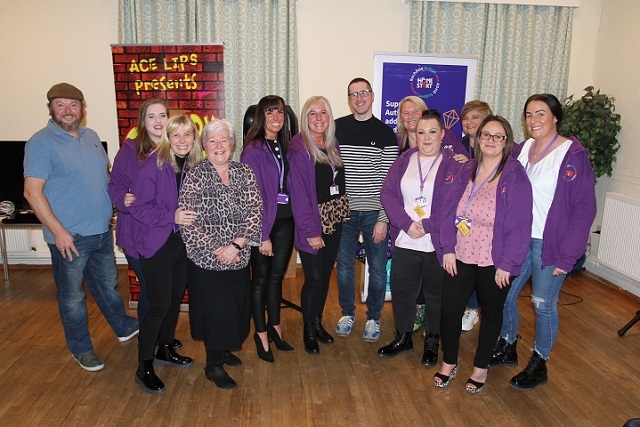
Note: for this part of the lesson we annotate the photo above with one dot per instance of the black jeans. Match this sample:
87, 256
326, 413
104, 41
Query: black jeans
166, 276
455, 294
415, 273
317, 272
267, 273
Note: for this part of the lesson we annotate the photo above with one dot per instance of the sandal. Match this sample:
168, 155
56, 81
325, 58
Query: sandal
445, 379
477, 386
474, 386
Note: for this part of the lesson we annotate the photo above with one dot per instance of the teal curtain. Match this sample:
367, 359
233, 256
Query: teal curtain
521, 49
259, 36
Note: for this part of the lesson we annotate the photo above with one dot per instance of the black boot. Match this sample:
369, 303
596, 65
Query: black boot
533, 375
166, 355
431, 345
505, 353
219, 377
311, 339
403, 343
147, 379
321, 332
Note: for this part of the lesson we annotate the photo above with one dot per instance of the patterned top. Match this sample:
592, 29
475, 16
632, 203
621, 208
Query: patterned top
224, 213
475, 247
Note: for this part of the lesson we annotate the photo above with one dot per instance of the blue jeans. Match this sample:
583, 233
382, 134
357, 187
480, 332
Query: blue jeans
362, 221
97, 265
544, 296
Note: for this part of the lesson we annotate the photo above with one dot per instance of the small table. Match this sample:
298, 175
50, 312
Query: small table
19, 221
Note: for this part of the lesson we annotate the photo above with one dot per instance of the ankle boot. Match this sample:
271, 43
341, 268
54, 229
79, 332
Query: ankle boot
167, 355
505, 353
533, 375
431, 345
321, 333
403, 343
147, 379
310, 339
219, 377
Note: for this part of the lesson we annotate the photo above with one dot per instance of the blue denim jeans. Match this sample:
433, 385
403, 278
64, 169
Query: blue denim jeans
544, 296
97, 265
362, 221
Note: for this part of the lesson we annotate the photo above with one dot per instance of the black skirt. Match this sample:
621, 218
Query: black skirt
219, 307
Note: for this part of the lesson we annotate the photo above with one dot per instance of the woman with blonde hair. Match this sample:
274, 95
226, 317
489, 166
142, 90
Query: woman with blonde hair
319, 205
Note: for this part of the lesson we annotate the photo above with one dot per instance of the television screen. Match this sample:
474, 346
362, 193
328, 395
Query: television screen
12, 173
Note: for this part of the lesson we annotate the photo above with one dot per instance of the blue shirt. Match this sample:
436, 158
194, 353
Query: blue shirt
76, 175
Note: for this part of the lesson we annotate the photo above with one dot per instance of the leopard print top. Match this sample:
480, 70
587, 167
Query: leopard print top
224, 213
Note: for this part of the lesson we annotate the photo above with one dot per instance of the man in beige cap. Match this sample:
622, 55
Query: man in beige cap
66, 176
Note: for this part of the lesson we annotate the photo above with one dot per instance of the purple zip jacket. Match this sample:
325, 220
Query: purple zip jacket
304, 199
125, 168
155, 207
569, 220
393, 203
256, 154
512, 225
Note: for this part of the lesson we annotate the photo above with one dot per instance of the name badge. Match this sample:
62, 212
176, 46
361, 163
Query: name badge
283, 199
463, 224
334, 190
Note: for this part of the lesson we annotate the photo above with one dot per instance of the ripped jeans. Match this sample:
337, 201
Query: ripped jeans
544, 296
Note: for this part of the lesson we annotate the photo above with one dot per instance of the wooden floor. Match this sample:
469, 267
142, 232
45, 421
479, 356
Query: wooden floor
594, 374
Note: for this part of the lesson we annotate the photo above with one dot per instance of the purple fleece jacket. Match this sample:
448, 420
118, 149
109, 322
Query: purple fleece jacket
572, 211
256, 154
304, 198
155, 207
512, 224
125, 168
393, 203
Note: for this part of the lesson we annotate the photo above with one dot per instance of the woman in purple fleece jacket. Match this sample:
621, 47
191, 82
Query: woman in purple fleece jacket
485, 226
265, 149
412, 196
159, 245
564, 206
319, 205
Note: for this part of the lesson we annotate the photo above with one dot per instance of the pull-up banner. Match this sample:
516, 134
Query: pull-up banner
444, 83
189, 78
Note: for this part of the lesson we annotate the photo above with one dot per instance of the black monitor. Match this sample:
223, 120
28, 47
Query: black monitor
12, 173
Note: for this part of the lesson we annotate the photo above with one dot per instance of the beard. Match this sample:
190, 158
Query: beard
65, 126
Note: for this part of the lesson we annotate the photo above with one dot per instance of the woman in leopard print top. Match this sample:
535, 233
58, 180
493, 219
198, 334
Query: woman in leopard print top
227, 200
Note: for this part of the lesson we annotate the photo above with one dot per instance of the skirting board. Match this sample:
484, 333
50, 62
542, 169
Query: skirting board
612, 276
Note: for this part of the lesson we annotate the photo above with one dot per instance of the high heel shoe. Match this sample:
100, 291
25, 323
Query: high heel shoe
275, 337
263, 354
445, 379
476, 385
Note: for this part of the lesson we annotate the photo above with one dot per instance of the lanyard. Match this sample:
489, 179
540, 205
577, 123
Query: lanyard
544, 152
334, 172
424, 179
474, 190
279, 162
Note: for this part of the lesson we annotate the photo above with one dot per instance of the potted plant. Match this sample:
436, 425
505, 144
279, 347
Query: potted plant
593, 120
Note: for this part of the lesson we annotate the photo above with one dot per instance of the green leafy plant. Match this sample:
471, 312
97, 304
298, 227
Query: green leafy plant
593, 120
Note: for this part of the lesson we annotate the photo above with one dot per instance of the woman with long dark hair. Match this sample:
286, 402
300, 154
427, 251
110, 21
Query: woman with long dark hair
265, 149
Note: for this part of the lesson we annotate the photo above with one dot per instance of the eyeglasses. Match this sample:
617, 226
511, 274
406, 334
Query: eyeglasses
496, 138
363, 93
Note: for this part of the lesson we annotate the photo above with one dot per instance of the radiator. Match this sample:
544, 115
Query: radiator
17, 240
619, 247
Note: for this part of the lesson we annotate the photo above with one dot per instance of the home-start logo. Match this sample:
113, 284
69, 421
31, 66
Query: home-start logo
424, 82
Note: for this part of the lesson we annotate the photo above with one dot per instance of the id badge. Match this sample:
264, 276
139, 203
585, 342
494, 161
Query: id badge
463, 224
334, 190
418, 210
283, 199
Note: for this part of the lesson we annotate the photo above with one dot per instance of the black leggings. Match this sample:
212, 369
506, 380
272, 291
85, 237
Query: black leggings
267, 273
166, 276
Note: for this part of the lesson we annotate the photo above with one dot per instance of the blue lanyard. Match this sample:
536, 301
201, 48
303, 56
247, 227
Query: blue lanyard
544, 152
424, 179
475, 191
279, 163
